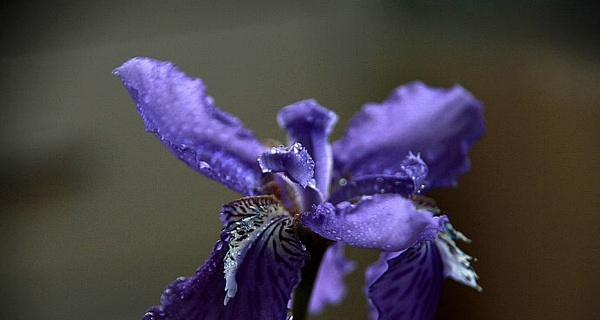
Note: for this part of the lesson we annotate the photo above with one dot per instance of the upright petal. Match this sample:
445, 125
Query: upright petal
440, 124
178, 111
310, 124
250, 275
330, 287
387, 222
294, 161
411, 286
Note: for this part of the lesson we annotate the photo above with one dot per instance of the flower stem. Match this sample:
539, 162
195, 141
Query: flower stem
316, 246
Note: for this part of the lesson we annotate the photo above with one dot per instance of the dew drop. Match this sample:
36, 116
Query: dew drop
203, 165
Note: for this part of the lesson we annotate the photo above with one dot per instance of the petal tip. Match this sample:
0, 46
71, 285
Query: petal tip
294, 161
307, 113
133, 64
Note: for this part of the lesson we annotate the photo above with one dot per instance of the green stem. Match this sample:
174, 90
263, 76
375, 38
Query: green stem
304, 290
316, 246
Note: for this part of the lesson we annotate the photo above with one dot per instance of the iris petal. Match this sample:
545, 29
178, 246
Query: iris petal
457, 264
330, 287
411, 286
311, 124
294, 161
387, 222
178, 111
261, 283
372, 184
440, 124
181, 299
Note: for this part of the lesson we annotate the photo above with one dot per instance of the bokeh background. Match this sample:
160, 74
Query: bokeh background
96, 217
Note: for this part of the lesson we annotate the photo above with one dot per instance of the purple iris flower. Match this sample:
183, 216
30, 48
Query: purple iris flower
281, 248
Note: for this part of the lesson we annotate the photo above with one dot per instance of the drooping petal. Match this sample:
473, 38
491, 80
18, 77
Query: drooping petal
457, 264
178, 111
180, 299
387, 222
373, 272
440, 124
310, 124
330, 287
294, 161
263, 252
410, 287
250, 275
250, 207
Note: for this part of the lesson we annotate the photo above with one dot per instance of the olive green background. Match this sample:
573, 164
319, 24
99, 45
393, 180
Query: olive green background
96, 217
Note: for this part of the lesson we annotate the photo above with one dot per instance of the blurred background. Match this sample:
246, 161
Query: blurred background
96, 217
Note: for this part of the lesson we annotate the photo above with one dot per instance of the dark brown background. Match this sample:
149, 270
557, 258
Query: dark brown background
96, 217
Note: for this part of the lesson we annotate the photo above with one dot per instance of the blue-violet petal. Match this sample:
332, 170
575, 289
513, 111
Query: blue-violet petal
411, 286
251, 273
387, 222
370, 185
330, 287
178, 111
311, 124
294, 161
440, 124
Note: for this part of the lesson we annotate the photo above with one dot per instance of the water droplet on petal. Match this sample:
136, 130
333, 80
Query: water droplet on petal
203, 165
